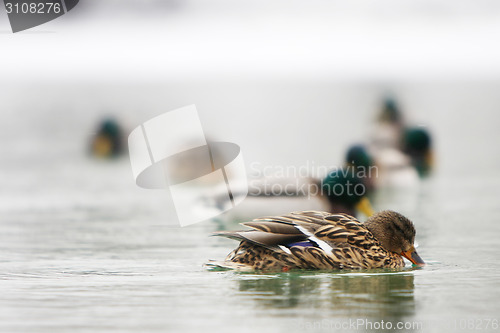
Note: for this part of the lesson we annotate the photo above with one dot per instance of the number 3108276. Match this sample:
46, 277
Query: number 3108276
33, 8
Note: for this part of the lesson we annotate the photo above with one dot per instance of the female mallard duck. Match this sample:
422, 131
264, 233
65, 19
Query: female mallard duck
321, 240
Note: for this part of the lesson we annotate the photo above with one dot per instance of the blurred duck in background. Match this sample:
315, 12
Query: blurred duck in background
417, 144
389, 126
341, 191
395, 158
363, 164
402, 154
108, 141
346, 192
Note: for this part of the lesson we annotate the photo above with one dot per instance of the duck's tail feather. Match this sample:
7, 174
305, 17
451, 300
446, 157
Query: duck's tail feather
214, 265
265, 239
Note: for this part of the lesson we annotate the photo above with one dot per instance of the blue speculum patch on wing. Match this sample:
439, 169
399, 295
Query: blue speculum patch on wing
304, 243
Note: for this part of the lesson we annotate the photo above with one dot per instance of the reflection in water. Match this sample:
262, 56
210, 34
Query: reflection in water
379, 293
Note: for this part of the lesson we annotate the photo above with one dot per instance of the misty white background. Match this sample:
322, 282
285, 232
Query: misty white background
143, 40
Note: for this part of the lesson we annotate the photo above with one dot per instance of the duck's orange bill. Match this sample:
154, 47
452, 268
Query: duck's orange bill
413, 256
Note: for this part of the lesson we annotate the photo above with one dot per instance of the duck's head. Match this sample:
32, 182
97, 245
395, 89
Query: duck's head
358, 156
361, 160
417, 144
346, 192
110, 127
395, 233
390, 112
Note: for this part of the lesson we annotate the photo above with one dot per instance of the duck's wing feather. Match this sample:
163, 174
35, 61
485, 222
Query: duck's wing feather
273, 226
325, 229
346, 231
275, 231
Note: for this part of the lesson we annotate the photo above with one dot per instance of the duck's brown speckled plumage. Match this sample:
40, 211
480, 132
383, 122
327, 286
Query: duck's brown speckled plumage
341, 242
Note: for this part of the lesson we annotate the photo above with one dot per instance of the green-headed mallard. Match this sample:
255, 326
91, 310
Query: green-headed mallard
321, 240
346, 192
417, 144
390, 112
392, 133
108, 140
342, 190
389, 126
360, 159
